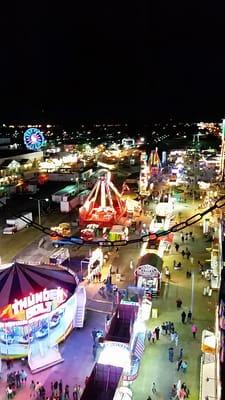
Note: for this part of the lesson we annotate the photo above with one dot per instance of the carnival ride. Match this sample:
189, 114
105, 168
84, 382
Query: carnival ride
33, 139
154, 162
104, 205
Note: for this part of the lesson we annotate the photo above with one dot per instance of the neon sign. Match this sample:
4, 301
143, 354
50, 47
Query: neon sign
39, 303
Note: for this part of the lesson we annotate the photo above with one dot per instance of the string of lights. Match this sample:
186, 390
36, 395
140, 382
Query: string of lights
76, 240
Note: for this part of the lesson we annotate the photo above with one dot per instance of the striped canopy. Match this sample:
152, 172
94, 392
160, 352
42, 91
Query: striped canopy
20, 280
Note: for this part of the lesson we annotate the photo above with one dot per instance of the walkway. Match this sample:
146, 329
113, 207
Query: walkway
155, 366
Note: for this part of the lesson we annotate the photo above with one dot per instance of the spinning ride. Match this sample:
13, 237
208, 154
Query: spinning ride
33, 139
104, 205
154, 162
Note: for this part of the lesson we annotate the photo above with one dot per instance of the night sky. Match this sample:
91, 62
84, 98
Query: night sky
96, 61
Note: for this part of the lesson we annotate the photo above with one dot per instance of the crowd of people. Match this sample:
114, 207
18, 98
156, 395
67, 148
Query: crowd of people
58, 391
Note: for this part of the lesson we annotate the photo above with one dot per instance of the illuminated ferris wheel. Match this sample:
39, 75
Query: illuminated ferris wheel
33, 139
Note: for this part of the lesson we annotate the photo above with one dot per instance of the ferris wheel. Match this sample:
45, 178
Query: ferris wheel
33, 139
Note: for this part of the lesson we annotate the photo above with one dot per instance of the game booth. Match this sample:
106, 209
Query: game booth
148, 274
39, 306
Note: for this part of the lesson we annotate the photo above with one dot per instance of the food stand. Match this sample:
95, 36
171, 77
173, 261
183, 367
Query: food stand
149, 273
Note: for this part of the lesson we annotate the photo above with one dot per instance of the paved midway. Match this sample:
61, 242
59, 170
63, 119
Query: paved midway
155, 367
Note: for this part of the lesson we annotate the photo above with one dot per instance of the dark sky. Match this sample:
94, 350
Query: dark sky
105, 60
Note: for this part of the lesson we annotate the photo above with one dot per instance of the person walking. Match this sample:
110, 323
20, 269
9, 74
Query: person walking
32, 389
182, 238
67, 393
179, 363
154, 388
181, 353
183, 253
149, 336
177, 247
184, 366
157, 330
173, 394
189, 316
170, 354
183, 317
194, 330
188, 254
176, 339
166, 327
153, 337
179, 303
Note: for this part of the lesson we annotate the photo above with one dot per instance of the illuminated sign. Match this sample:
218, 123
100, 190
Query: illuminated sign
39, 303
147, 271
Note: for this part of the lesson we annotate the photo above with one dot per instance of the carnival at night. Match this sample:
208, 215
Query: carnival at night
112, 203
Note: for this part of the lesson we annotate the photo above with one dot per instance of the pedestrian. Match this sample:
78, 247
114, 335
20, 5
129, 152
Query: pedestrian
194, 330
67, 393
166, 327
60, 388
163, 326
154, 388
186, 235
183, 253
181, 394
75, 395
182, 238
171, 327
18, 382
177, 246
149, 336
184, 366
181, 353
23, 376
190, 234
179, 265
171, 354
32, 389
9, 392
179, 363
149, 398
189, 316
179, 303
188, 253
153, 337
174, 263
172, 336
187, 391
157, 330
176, 339
173, 394
183, 317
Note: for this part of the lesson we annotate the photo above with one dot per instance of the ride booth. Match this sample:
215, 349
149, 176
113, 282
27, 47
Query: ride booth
39, 306
124, 341
148, 274
102, 383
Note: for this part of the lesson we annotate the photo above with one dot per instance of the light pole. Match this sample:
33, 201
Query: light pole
192, 291
39, 206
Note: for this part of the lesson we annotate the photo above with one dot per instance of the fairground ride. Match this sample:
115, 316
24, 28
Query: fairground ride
154, 162
104, 205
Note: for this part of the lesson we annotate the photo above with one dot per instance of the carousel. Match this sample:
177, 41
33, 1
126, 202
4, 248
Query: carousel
38, 306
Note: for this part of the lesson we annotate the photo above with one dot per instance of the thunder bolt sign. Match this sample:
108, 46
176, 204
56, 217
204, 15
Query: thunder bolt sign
33, 305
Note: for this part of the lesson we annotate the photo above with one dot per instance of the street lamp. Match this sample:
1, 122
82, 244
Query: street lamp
39, 206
